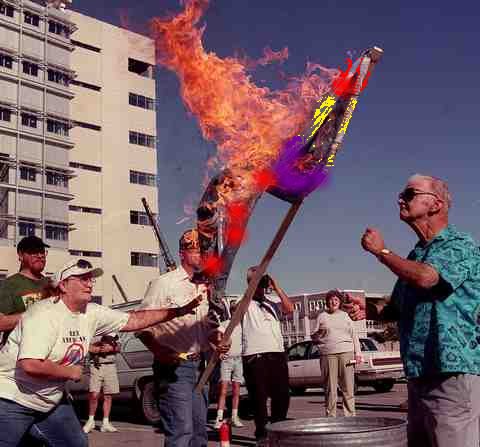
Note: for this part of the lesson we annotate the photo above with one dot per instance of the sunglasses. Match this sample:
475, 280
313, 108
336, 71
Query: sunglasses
81, 264
408, 194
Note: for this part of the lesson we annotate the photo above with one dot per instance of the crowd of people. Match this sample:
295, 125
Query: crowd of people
49, 325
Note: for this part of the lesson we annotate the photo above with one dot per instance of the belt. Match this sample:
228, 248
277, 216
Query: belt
250, 358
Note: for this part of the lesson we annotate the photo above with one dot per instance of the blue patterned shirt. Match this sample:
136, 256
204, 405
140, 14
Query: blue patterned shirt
440, 327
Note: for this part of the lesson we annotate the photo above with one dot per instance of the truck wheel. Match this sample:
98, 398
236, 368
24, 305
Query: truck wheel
148, 404
383, 386
297, 390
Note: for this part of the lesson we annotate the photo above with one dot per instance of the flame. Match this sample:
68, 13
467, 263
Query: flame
248, 123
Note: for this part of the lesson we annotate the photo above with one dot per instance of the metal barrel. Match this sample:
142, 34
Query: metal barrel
339, 432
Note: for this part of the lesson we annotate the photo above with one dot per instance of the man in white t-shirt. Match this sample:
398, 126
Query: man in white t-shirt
47, 348
264, 362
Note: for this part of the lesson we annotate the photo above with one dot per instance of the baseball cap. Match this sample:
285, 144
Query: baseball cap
31, 244
189, 239
76, 268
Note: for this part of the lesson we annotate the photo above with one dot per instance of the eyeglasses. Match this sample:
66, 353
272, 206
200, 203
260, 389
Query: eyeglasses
81, 264
38, 254
408, 194
83, 279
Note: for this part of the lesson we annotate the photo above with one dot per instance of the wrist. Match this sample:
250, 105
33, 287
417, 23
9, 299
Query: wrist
383, 253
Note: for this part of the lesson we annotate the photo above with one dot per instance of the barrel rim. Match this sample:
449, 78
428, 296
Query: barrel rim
395, 424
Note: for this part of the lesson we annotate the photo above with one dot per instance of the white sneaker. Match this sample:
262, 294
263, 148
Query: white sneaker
89, 426
218, 423
108, 428
236, 422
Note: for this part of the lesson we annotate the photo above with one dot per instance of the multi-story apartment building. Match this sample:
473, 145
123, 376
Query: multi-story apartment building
77, 142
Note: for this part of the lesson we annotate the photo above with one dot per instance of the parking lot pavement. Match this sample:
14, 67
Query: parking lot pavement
310, 405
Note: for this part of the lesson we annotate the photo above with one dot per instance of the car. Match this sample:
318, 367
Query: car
135, 376
379, 369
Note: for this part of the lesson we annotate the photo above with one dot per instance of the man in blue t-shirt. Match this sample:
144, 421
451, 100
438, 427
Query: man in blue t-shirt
436, 302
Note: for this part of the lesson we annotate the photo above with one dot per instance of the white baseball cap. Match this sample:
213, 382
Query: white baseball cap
76, 268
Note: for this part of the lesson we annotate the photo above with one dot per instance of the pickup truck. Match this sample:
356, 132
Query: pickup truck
379, 369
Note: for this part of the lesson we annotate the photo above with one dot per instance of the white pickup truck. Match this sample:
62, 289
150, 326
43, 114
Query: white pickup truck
379, 369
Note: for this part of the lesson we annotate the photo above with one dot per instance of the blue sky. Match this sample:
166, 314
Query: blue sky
420, 113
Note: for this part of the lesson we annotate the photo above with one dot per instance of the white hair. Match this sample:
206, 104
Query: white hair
438, 186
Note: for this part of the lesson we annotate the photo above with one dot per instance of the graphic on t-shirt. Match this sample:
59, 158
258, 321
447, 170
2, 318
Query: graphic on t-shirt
31, 298
74, 355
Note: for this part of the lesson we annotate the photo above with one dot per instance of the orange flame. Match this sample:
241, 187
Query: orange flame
248, 123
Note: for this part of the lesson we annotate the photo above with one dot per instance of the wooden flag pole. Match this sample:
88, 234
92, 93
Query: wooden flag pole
242, 306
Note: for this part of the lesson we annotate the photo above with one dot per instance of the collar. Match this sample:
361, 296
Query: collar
448, 233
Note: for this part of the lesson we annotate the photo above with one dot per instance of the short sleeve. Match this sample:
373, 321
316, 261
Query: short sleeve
9, 303
156, 290
453, 261
107, 320
38, 336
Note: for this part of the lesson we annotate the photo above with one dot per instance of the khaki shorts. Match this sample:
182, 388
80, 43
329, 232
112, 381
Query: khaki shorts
105, 377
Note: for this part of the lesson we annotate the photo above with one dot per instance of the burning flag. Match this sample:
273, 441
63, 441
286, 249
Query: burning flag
260, 134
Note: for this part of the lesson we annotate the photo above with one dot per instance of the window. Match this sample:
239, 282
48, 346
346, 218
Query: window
58, 77
58, 28
29, 174
144, 259
88, 126
58, 127
141, 68
56, 232
139, 218
26, 229
141, 139
31, 18
297, 352
84, 166
142, 178
85, 209
5, 114
29, 120
96, 299
85, 85
90, 254
86, 46
6, 61
57, 179
141, 101
30, 68
6, 10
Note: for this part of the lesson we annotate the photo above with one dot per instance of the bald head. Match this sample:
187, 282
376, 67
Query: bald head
435, 185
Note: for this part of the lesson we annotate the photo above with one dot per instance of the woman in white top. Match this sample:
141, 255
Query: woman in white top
48, 347
339, 349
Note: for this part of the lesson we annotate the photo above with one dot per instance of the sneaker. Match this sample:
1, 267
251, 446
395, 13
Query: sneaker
89, 426
108, 428
218, 423
236, 422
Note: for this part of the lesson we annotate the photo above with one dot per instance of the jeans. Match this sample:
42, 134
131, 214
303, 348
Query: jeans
183, 411
266, 375
59, 427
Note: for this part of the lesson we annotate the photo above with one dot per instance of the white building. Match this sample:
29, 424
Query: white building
77, 142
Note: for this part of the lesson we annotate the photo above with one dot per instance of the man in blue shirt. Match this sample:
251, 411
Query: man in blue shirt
436, 301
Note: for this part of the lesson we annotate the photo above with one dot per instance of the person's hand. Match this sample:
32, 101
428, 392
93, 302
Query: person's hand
372, 241
355, 308
359, 359
75, 372
190, 307
216, 341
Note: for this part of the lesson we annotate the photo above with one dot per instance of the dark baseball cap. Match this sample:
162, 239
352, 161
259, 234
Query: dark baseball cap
189, 240
31, 244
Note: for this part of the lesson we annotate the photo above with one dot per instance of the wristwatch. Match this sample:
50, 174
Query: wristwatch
385, 251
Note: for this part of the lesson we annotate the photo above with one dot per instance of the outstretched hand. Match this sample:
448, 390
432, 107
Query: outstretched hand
190, 307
